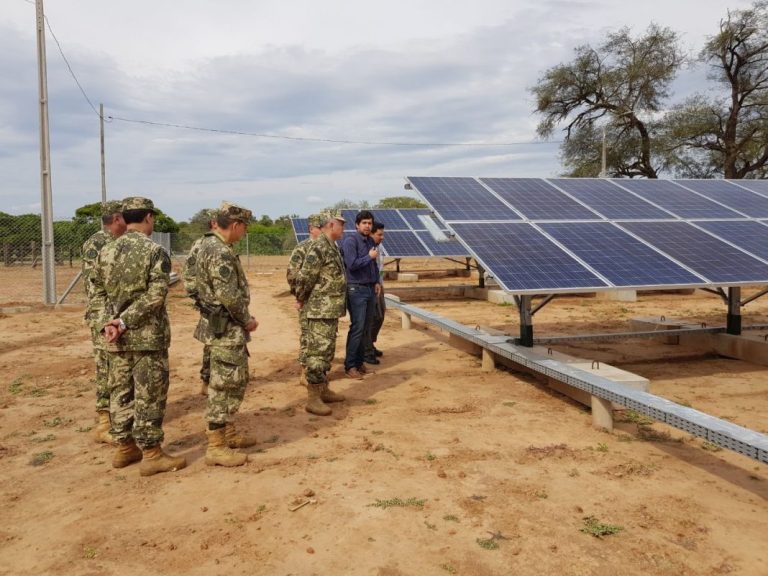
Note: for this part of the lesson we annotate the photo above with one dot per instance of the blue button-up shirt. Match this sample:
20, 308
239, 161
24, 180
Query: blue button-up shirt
360, 267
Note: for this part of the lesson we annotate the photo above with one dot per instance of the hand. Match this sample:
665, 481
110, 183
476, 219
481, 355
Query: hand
298, 304
378, 289
252, 325
373, 253
113, 331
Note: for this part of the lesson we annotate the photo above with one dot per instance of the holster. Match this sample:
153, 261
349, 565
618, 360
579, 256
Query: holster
218, 317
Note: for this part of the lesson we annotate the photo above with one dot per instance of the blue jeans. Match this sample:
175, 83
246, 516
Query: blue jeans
361, 302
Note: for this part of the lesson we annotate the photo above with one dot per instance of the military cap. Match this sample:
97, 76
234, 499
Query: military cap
138, 203
111, 207
328, 215
211, 213
316, 220
235, 212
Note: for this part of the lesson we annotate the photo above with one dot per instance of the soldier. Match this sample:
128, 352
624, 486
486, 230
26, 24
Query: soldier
113, 227
321, 290
294, 265
225, 326
188, 277
130, 287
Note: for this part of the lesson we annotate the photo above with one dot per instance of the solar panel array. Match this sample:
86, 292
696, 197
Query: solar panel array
567, 235
405, 233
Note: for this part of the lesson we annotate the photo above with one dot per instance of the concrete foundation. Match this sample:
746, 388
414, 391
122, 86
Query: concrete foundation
407, 277
619, 295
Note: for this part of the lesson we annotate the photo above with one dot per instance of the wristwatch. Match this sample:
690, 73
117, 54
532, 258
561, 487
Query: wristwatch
122, 325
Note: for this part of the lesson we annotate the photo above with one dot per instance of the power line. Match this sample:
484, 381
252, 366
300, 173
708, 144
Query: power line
331, 140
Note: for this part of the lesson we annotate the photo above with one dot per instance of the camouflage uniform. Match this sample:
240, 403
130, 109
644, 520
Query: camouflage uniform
190, 286
321, 286
131, 285
91, 249
220, 281
294, 265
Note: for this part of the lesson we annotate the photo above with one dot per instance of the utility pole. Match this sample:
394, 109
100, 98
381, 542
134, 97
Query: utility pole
103, 169
603, 171
46, 196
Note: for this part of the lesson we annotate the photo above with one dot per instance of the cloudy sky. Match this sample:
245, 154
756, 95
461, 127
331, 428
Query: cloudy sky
402, 71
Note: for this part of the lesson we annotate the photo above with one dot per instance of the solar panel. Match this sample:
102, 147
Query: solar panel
759, 186
747, 234
300, 226
391, 219
520, 258
676, 199
744, 201
622, 259
450, 248
708, 256
412, 217
301, 237
609, 200
401, 243
462, 199
538, 200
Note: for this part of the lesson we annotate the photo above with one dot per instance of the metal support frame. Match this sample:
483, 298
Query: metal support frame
715, 430
480, 276
717, 292
754, 297
733, 321
526, 321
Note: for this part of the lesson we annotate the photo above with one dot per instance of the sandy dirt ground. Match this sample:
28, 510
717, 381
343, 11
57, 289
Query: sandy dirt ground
431, 467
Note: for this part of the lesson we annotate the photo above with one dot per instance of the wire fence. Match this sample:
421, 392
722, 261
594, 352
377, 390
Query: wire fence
21, 269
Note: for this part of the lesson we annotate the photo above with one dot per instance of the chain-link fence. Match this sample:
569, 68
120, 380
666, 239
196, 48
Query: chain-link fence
21, 269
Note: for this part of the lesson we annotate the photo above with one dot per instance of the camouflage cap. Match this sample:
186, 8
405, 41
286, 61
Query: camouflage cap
328, 215
315, 220
138, 203
235, 212
211, 213
111, 207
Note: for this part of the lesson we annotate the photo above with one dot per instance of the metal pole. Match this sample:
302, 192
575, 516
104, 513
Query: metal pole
103, 166
733, 320
526, 322
46, 196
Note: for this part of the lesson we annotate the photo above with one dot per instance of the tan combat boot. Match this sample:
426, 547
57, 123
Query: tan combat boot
125, 454
315, 403
237, 439
218, 453
156, 461
328, 395
101, 431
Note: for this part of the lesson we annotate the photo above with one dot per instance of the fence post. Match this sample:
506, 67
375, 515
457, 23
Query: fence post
247, 250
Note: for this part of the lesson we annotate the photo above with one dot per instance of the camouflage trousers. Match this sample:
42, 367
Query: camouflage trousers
205, 369
303, 326
102, 379
321, 347
226, 388
138, 385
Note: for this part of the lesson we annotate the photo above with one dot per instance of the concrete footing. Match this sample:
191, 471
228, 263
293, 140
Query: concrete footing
407, 277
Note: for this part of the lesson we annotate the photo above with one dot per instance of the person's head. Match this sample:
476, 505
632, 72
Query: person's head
112, 218
377, 232
315, 223
139, 214
363, 222
211, 214
332, 225
232, 221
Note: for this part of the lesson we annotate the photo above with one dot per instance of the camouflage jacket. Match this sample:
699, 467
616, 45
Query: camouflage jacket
220, 280
295, 263
90, 253
320, 284
131, 283
190, 266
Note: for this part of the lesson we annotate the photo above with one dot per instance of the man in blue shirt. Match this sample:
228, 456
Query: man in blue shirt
362, 273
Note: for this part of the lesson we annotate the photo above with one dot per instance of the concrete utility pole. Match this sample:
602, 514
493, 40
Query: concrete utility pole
103, 169
603, 171
46, 196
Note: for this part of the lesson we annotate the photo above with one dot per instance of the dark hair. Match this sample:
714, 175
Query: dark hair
377, 226
363, 215
136, 216
107, 220
225, 221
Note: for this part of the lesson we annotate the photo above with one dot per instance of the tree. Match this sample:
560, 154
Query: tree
728, 135
349, 205
399, 202
622, 80
92, 213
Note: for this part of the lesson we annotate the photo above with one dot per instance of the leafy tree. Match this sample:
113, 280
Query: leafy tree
92, 213
350, 205
622, 81
400, 202
728, 134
